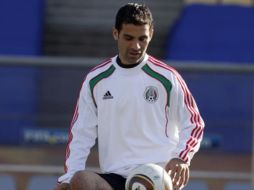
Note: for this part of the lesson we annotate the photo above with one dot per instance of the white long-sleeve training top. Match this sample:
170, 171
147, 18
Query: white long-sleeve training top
144, 114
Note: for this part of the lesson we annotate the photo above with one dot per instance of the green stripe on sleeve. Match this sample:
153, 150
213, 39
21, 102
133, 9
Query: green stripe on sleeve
164, 81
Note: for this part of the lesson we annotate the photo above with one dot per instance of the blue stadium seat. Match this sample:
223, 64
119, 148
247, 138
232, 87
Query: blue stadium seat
7, 182
42, 182
207, 33
237, 186
197, 185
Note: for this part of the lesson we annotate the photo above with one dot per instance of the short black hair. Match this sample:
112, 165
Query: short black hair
133, 13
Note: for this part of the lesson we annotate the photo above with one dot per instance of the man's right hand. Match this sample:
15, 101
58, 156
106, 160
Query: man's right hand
63, 186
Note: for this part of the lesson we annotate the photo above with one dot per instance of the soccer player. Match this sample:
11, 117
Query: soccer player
139, 109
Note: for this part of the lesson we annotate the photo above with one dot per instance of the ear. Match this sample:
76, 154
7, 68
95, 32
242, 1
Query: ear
115, 33
151, 33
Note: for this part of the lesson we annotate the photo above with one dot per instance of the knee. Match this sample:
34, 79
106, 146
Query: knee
79, 180
87, 180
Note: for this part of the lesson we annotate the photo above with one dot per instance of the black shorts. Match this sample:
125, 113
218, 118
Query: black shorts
116, 181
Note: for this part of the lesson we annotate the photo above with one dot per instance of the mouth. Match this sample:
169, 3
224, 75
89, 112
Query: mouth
134, 54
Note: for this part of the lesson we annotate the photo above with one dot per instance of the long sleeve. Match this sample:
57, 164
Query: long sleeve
82, 135
188, 120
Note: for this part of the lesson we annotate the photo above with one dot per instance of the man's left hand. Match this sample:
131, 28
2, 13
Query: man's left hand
179, 172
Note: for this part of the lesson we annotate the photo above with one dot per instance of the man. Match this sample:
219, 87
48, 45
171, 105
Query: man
138, 108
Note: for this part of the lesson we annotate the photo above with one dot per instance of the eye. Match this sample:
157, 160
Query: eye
128, 38
143, 39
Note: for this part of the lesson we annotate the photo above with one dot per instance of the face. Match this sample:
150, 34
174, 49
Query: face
132, 41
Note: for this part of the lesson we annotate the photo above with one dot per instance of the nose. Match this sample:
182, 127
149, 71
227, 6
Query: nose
136, 45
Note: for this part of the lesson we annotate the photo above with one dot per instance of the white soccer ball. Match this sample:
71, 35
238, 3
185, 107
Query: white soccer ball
148, 177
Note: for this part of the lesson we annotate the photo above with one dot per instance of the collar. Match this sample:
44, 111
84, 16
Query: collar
119, 62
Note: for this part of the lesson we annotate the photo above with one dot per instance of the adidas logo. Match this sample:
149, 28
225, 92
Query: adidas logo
107, 95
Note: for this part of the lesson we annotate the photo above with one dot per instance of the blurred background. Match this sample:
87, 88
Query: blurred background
47, 47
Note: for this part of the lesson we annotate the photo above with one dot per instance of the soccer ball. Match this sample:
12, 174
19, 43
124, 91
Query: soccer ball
148, 177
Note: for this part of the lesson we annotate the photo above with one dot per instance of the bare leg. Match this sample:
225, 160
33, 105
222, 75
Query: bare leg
87, 180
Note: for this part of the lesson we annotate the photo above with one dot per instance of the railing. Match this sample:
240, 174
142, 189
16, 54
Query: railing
189, 66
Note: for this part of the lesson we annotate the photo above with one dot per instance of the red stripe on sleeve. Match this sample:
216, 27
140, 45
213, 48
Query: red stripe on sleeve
191, 106
76, 115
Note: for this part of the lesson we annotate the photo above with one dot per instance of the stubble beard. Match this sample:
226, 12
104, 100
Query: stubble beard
133, 59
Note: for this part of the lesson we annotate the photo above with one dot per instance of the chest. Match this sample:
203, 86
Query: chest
125, 91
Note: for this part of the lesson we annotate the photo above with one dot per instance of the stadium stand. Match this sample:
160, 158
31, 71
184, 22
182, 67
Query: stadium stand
83, 28
213, 33
21, 27
21, 34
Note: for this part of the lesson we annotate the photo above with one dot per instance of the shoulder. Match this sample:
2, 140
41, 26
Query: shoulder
162, 67
167, 71
104, 66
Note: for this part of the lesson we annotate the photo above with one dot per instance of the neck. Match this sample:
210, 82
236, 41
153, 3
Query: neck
120, 63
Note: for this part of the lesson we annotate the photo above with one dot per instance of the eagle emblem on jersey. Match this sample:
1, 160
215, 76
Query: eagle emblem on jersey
151, 94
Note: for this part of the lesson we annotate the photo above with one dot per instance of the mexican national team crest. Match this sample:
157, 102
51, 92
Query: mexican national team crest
151, 94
